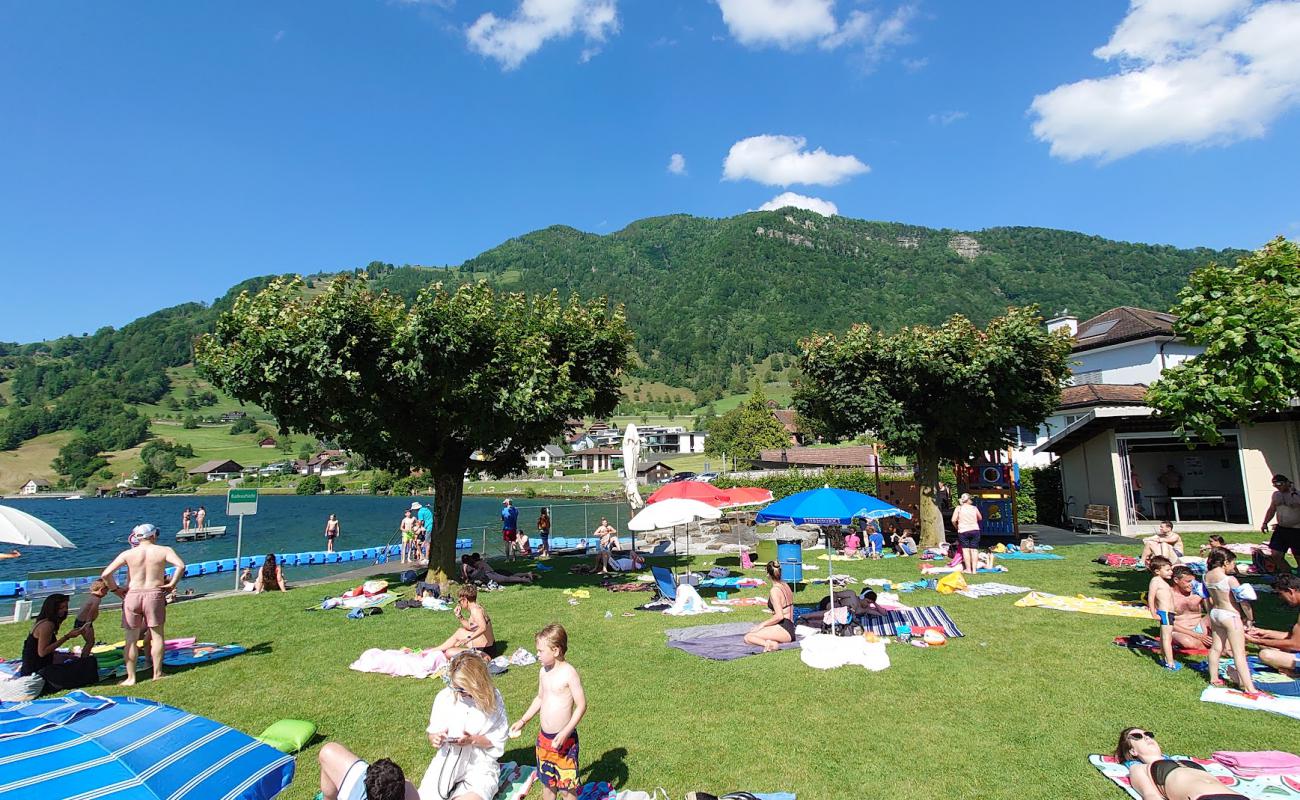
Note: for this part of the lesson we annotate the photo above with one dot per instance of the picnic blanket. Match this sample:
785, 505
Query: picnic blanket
635, 586
1086, 605
743, 601
992, 589
1277, 787
924, 617
725, 642
1286, 706
404, 663
1031, 556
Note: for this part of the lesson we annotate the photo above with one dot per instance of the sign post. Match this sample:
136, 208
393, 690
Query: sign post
238, 503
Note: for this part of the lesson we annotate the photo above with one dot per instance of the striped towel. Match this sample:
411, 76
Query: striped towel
991, 589
924, 617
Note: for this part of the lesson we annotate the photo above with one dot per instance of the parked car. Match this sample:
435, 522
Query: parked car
682, 476
706, 477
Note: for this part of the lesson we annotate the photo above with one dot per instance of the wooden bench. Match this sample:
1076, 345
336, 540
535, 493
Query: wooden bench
1095, 519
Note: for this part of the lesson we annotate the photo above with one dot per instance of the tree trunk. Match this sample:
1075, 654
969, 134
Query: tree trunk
927, 469
449, 490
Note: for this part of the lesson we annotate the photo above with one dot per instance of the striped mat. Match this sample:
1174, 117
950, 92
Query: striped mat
82, 747
924, 617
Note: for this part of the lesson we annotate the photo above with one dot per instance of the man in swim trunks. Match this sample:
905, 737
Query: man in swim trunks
1190, 624
1165, 543
1285, 503
1278, 649
144, 603
509, 527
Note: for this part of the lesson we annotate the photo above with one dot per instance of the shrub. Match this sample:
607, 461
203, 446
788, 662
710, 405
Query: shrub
310, 485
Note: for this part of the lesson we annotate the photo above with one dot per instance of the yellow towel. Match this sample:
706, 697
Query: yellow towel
1086, 605
580, 594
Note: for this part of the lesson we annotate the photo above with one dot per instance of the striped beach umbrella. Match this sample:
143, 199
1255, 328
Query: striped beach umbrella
82, 747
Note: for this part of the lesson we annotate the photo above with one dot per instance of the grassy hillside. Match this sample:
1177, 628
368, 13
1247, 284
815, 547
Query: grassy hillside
32, 460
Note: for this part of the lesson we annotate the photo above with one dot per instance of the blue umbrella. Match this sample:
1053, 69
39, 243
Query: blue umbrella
83, 746
827, 506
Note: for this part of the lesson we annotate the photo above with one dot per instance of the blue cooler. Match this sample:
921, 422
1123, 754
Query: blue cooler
789, 554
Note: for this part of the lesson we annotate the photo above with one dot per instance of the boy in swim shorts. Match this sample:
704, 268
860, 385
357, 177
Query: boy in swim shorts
562, 703
1160, 602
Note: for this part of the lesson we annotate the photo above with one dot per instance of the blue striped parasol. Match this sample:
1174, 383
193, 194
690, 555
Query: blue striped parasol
828, 506
83, 747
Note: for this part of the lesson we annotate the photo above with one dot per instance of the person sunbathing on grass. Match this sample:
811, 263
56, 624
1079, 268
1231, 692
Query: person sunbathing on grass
1155, 777
1191, 628
478, 570
475, 631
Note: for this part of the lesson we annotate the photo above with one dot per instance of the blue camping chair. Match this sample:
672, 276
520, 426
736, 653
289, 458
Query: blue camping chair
666, 582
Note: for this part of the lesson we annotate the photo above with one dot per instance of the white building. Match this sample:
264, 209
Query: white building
549, 456
1114, 452
663, 439
34, 486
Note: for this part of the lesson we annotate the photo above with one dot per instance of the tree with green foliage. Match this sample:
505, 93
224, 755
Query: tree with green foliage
334, 485
311, 484
79, 459
1247, 318
935, 394
456, 372
747, 429
243, 425
190, 422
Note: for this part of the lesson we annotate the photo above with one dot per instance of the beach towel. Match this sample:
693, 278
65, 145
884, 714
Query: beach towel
1086, 605
179, 657
688, 603
1116, 560
992, 589
925, 570
917, 618
404, 663
1276, 787
837, 557
743, 601
516, 780
1030, 557
367, 600
824, 651
1273, 704
724, 642
635, 586
1259, 763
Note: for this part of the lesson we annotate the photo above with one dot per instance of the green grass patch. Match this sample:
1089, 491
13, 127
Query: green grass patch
1010, 711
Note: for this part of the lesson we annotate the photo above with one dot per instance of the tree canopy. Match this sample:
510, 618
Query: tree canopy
934, 393
457, 373
746, 429
1247, 317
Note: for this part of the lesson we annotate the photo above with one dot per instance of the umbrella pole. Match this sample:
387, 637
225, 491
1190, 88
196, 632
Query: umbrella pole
830, 578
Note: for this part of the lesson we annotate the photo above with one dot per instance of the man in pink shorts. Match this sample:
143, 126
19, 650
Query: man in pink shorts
144, 602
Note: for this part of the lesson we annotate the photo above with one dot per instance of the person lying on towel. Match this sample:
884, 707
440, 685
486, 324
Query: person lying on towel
1154, 776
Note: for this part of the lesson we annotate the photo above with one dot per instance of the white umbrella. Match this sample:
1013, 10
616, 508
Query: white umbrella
19, 527
631, 454
670, 514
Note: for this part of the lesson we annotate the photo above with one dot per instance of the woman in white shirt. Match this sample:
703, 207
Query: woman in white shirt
468, 726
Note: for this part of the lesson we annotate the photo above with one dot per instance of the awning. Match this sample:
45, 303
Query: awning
1091, 424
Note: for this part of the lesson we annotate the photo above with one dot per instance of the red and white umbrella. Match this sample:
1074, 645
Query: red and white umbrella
747, 496
689, 490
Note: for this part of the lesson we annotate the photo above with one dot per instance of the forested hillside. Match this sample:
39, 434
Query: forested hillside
709, 299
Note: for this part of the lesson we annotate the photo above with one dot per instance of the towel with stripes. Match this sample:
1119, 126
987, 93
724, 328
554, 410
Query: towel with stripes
924, 617
992, 589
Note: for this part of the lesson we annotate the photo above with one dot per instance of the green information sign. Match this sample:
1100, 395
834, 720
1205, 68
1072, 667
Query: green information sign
241, 502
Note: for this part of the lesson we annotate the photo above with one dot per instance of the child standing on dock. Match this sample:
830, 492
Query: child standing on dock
562, 703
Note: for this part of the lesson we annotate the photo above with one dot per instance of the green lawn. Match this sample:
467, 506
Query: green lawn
1009, 711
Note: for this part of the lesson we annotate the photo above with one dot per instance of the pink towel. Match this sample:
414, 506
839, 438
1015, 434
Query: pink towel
1253, 764
745, 561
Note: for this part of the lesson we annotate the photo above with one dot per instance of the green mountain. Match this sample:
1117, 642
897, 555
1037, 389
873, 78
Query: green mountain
709, 299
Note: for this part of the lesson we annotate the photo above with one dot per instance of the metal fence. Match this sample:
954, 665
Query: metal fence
569, 520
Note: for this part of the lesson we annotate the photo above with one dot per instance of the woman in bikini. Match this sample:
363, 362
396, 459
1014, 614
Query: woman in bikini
1226, 626
1153, 776
777, 629
270, 576
475, 632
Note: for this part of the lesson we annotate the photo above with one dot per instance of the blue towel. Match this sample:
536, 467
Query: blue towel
1030, 556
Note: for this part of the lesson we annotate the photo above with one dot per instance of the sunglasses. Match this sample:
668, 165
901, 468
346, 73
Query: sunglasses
1138, 736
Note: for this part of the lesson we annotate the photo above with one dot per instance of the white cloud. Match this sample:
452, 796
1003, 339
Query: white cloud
534, 22
784, 23
277, 37
791, 23
1192, 72
948, 117
782, 160
915, 64
677, 164
824, 207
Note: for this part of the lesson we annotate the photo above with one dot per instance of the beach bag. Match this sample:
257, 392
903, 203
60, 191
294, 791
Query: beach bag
71, 674
952, 582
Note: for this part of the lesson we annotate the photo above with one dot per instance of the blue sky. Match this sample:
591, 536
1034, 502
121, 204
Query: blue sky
155, 153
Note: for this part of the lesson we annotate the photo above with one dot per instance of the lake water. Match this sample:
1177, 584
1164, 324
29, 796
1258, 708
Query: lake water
283, 524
